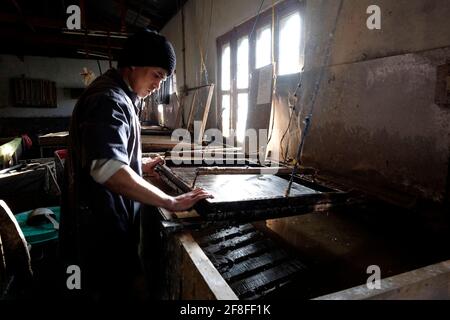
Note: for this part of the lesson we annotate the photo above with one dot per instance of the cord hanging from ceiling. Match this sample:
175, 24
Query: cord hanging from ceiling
308, 117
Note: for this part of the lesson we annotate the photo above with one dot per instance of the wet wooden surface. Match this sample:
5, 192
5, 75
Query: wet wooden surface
232, 188
251, 263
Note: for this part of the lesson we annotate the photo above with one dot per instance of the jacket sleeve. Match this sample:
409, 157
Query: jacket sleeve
105, 131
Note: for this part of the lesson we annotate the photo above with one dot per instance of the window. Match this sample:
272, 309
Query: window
263, 47
242, 63
242, 88
225, 87
289, 46
161, 114
251, 46
226, 115
226, 79
241, 116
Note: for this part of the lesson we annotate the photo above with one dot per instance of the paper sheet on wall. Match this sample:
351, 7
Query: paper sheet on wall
264, 85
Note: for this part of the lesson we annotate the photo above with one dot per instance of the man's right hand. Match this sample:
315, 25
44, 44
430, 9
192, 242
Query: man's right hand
187, 200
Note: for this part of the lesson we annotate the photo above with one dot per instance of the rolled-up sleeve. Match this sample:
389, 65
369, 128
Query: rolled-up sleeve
103, 169
105, 133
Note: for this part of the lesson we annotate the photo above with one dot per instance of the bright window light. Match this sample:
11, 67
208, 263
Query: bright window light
241, 116
242, 63
226, 115
263, 47
161, 114
289, 48
226, 66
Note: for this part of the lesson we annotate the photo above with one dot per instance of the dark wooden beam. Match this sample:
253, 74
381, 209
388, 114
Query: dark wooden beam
23, 18
22, 43
52, 23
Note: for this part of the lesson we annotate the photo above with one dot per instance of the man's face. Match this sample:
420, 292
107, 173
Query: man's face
145, 80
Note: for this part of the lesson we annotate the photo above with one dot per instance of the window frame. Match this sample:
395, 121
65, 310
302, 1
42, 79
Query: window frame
232, 37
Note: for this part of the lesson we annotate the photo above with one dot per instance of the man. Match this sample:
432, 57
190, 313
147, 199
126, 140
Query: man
104, 187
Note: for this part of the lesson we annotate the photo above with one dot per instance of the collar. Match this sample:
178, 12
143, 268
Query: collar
125, 86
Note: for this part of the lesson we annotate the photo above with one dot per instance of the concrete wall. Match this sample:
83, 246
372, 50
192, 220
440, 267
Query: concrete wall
65, 72
375, 121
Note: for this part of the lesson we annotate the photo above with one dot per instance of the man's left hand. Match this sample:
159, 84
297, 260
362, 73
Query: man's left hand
149, 164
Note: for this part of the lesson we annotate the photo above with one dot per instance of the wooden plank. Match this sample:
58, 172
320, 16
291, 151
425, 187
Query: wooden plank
208, 273
161, 143
225, 234
205, 114
252, 265
191, 112
427, 283
14, 246
208, 149
54, 139
226, 159
252, 249
262, 280
233, 243
180, 111
156, 130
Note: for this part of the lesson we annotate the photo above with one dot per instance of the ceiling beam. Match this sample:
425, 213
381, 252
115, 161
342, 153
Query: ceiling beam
20, 12
22, 39
48, 23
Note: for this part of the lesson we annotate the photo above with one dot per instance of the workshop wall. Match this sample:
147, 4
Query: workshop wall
375, 125
65, 72
375, 121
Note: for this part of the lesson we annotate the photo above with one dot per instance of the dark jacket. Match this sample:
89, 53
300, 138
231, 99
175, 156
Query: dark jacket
99, 230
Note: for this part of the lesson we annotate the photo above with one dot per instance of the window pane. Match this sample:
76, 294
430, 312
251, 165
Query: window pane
263, 47
226, 65
242, 63
289, 55
241, 116
226, 115
161, 114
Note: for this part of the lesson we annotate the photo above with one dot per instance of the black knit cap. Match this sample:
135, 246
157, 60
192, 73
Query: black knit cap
148, 48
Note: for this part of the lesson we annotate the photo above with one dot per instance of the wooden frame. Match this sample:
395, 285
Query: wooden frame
155, 143
205, 111
260, 209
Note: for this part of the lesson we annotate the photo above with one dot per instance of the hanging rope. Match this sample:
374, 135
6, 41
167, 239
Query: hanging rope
291, 117
202, 51
206, 43
308, 118
257, 17
274, 71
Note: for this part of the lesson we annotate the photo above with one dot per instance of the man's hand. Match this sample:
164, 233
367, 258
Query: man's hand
149, 164
187, 200
129, 184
